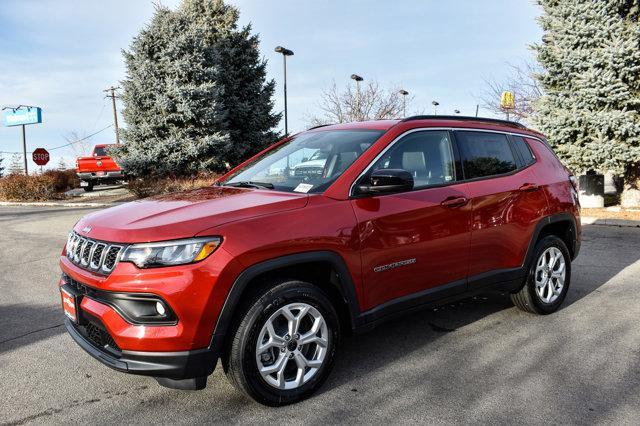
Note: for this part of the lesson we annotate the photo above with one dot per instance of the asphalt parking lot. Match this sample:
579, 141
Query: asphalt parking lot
478, 361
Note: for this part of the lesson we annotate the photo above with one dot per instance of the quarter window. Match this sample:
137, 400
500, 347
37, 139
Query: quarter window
427, 155
485, 154
523, 150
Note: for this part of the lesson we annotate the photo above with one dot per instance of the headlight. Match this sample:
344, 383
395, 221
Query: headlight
168, 253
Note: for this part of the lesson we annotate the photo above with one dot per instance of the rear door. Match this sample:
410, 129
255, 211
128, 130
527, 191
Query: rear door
506, 202
416, 241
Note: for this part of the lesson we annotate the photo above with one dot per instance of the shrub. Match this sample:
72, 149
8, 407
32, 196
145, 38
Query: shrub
143, 188
18, 187
64, 179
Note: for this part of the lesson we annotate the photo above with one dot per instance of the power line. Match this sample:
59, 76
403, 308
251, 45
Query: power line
65, 145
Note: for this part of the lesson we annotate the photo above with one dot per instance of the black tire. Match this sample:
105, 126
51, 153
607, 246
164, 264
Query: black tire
527, 299
239, 362
89, 187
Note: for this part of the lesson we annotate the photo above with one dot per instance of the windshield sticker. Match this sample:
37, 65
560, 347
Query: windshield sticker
303, 187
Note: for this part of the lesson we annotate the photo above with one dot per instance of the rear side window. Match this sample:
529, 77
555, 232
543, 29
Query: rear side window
523, 150
485, 154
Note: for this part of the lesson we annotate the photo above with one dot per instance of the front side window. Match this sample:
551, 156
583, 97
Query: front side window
485, 154
310, 162
427, 155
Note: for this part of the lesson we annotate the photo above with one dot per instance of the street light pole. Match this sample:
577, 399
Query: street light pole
435, 107
404, 94
358, 79
285, 52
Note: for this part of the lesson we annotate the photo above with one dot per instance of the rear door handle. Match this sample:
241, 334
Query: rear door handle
528, 187
454, 201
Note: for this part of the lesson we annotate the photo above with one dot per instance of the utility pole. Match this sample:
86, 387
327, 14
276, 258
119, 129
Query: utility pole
435, 107
113, 97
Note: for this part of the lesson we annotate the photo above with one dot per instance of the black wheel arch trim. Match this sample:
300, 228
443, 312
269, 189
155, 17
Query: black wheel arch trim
346, 288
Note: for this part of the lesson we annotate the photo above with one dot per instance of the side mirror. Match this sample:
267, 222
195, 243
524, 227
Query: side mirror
384, 181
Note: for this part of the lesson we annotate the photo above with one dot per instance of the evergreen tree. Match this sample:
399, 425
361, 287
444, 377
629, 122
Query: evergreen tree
16, 166
590, 53
1, 168
195, 96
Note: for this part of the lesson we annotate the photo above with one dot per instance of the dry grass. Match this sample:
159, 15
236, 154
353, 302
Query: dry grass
612, 213
143, 188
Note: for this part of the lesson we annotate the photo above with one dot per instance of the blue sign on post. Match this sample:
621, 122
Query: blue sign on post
22, 115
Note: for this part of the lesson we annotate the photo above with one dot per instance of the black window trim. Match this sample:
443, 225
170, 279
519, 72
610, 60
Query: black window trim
457, 158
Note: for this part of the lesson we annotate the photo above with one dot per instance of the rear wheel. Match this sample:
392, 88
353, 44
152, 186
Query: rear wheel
548, 280
89, 186
283, 347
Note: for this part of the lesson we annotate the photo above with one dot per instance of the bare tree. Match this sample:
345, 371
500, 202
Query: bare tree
372, 103
522, 83
78, 144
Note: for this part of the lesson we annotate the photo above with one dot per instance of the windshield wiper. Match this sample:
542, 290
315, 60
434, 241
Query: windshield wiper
252, 184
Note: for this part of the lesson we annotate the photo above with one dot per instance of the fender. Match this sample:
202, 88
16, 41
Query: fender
547, 220
346, 288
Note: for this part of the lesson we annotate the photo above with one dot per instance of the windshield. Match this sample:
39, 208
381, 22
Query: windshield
309, 162
100, 151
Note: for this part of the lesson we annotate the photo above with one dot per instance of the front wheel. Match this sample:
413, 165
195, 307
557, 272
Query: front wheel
548, 279
283, 348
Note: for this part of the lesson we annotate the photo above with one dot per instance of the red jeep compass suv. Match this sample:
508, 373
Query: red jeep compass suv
269, 267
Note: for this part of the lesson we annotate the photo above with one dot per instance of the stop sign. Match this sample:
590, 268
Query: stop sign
40, 156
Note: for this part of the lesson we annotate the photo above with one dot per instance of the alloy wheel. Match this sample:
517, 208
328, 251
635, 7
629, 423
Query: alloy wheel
292, 346
550, 275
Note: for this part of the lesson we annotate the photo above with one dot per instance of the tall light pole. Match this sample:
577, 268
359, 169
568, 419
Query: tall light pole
358, 79
285, 52
404, 94
435, 107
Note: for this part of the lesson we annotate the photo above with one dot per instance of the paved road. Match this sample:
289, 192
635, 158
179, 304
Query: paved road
479, 361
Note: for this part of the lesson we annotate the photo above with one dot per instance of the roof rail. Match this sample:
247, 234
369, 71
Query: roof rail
466, 118
320, 125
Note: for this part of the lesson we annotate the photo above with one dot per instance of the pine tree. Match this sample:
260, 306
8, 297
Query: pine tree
195, 96
62, 165
590, 53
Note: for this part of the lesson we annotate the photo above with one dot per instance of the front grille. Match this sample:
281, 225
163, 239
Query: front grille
99, 337
93, 255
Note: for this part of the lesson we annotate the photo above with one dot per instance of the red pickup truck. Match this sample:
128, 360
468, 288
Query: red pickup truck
97, 169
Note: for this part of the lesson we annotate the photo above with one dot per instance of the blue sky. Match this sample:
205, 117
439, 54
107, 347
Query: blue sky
61, 54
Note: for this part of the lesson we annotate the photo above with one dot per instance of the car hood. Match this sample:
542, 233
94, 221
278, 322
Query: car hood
184, 214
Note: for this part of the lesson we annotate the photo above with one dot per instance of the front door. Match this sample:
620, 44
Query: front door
416, 242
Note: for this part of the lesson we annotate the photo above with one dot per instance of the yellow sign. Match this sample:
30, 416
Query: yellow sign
507, 100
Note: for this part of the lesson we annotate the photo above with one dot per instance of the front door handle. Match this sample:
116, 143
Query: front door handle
528, 187
454, 201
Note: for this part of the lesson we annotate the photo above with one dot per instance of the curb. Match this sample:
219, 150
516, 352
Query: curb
52, 204
586, 220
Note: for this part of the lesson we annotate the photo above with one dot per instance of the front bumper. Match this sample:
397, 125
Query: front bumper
171, 365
